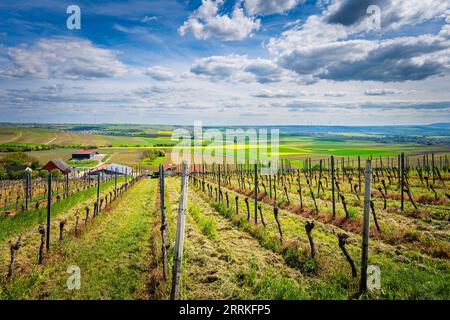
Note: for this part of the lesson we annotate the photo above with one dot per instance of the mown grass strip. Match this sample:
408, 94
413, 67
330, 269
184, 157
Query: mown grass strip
16, 224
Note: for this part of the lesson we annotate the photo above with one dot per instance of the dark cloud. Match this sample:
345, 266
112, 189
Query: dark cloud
349, 12
398, 59
239, 68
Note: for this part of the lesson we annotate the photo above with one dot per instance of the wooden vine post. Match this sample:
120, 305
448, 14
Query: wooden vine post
218, 176
49, 209
256, 192
66, 186
402, 179
98, 193
27, 188
359, 174
332, 187
163, 220
270, 180
115, 178
179, 242
365, 241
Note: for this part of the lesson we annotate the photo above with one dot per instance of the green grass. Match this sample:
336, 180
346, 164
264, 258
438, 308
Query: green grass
294, 147
268, 286
111, 254
207, 224
406, 272
18, 223
82, 163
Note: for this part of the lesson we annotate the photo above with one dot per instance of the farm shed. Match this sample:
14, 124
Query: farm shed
84, 154
111, 169
57, 164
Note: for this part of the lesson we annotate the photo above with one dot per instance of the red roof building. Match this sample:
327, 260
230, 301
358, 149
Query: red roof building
57, 164
84, 154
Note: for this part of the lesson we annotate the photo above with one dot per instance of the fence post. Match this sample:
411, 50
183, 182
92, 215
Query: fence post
179, 242
432, 168
332, 187
115, 178
27, 190
320, 178
359, 174
256, 192
98, 192
218, 177
365, 241
402, 179
270, 179
49, 208
163, 220
66, 189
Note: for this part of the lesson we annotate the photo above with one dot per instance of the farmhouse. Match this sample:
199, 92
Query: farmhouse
85, 154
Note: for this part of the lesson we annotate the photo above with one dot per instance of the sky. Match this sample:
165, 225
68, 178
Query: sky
226, 62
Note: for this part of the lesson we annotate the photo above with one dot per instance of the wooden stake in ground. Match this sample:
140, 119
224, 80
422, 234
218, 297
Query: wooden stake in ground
270, 180
220, 190
366, 217
49, 209
256, 192
402, 179
163, 221
98, 194
359, 174
27, 189
333, 200
179, 242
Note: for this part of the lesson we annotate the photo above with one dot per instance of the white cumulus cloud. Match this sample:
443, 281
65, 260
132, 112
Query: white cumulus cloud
62, 58
206, 22
160, 73
239, 68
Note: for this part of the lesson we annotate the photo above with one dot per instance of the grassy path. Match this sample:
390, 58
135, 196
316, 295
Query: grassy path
110, 253
222, 262
26, 225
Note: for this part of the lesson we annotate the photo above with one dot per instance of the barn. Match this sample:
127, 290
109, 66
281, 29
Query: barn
57, 164
84, 154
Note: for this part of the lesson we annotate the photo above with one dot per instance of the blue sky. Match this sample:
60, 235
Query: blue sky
226, 62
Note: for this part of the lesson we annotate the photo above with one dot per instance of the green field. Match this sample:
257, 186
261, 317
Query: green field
128, 149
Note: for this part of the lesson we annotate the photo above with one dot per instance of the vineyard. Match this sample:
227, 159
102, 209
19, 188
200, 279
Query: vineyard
231, 232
